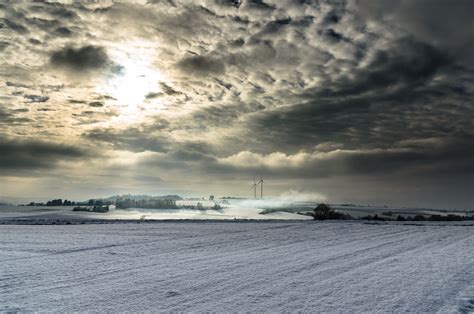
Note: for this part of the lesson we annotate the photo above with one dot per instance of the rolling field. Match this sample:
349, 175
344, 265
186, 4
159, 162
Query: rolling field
237, 266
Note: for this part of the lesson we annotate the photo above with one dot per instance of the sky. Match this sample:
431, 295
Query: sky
367, 102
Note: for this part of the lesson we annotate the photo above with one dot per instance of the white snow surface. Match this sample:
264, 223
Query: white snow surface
67, 214
297, 266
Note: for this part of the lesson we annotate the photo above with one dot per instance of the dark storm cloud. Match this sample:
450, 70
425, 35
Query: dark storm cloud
446, 24
373, 106
406, 63
201, 65
80, 59
371, 121
309, 124
20, 154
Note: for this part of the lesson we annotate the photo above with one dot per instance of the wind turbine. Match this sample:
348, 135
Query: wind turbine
254, 187
261, 187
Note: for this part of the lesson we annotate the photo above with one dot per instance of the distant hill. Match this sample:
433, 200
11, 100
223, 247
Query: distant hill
142, 197
170, 197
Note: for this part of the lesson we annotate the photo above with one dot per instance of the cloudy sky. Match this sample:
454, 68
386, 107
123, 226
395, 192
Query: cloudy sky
347, 101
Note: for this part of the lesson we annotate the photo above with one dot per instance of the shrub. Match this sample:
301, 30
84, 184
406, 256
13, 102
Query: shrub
419, 218
375, 217
401, 218
325, 212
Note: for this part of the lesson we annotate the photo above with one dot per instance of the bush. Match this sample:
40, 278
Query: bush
325, 212
375, 217
401, 218
153, 203
419, 218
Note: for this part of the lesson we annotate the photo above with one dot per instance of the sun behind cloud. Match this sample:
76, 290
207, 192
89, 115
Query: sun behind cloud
135, 77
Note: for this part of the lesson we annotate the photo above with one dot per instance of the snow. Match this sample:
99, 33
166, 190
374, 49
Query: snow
66, 213
237, 266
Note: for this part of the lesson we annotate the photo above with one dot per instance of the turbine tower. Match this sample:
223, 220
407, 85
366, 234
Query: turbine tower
261, 187
254, 187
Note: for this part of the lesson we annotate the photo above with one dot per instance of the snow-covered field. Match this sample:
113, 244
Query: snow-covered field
237, 266
65, 213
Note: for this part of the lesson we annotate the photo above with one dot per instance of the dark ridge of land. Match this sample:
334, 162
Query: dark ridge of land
87, 221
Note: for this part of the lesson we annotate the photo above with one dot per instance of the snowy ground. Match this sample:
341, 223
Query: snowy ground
65, 213
237, 209
237, 266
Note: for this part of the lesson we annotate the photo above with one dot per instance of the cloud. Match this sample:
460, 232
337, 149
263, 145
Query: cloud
96, 104
430, 158
412, 157
80, 59
217, 116
13, 116
20, 154
36, 98
4, 45
406, 63
455, 34
14, 26
300, 91
201, 66
63, 32
144, 138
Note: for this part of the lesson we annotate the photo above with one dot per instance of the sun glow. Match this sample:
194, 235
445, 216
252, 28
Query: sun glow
134, 78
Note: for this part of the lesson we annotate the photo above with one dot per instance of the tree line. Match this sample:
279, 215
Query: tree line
325, 212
